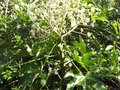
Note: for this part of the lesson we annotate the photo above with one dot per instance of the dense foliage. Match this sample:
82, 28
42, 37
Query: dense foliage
59, 45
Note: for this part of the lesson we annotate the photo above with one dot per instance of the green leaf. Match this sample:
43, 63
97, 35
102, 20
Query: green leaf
100, 18
86, 59
78, 79
80, 46
115, 25
23, 16
78, 59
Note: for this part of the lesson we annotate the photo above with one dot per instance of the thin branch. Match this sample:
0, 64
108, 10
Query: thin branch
69, 31
10, 83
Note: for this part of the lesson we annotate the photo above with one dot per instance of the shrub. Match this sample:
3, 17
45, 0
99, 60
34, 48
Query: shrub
59, 44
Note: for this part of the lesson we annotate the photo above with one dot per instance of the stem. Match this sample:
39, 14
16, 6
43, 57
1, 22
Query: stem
62, 68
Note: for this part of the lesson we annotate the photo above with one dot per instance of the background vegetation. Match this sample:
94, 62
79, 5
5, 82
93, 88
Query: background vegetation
59, 45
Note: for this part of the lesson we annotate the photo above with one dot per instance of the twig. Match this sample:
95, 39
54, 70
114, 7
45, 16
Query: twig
10, 83
69, 31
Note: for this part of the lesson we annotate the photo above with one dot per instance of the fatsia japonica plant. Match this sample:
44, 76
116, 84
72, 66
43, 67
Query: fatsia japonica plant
59, 45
